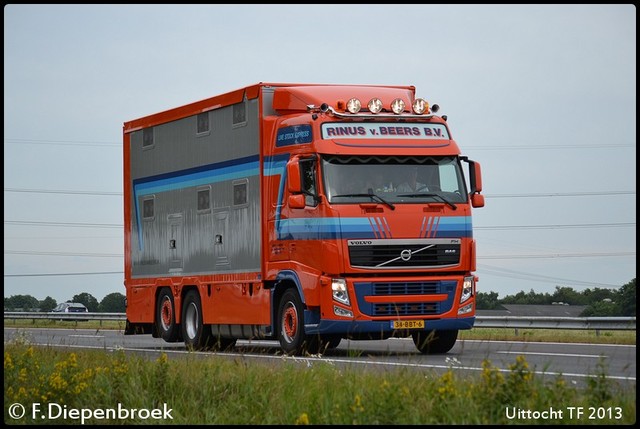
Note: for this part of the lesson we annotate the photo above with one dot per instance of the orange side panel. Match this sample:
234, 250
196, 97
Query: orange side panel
140, 304
237, 303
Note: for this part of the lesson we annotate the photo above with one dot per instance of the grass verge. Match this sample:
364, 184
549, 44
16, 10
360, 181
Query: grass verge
92, 387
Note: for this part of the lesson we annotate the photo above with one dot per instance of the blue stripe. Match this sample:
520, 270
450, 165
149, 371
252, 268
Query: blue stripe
275, 165
195, 170
213, 173
361, 227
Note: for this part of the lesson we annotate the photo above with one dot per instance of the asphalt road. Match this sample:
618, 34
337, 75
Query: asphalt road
574, 362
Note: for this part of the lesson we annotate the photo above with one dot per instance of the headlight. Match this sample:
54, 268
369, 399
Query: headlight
468, 286
465, 309
397, 106
354, 105
339, 311
420, 106
375, 105
339, 291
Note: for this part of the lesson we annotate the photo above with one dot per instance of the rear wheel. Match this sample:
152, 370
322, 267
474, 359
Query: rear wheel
196, 336
291, 325
166, 316
435, 342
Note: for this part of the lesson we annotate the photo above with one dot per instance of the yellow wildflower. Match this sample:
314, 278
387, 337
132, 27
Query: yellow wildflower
8, 363
303, 419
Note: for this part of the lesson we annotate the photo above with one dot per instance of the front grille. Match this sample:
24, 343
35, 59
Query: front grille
406, 309
393, 254
428, 290
405, 288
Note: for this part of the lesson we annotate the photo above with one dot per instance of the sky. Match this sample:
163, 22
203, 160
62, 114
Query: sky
542, 96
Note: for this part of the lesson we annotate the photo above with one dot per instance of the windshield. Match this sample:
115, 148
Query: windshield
394, 179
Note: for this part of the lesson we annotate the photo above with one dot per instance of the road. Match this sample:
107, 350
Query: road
575, 362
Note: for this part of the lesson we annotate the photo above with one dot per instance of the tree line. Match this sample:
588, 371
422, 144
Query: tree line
112, 303
599, 302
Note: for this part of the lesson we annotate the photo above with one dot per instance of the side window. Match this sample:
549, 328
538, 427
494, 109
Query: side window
239, 115
449, 179
204, 200
240, 192
202, 124
309, 188
147, 138
148, 210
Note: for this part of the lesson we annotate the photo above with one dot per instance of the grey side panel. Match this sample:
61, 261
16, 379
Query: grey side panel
196, 195
267, 101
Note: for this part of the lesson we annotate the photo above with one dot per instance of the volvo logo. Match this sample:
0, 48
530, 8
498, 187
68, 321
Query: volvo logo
405, 256
360, 242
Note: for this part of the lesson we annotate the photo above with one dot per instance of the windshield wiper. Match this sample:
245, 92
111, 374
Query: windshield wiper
374, 197
430, 194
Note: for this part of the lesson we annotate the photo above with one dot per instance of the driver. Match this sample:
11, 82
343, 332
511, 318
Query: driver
412, 184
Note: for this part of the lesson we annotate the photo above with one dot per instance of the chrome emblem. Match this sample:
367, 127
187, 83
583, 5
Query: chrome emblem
405, 255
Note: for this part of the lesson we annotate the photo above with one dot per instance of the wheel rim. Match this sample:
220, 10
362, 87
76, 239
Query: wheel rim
289, 322
191, 321
166, 314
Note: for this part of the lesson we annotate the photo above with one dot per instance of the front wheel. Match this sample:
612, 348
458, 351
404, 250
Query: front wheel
291, 324
435, 342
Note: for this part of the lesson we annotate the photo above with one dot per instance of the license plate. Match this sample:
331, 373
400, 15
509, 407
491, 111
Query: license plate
407, 324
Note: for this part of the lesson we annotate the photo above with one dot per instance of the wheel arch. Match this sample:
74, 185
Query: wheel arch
286, 279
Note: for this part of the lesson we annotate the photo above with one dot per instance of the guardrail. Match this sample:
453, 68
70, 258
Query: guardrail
546, 322
72, 317
515, 322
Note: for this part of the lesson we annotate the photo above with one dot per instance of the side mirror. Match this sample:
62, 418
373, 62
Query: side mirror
297, 201
477, 200
294, 181
475, 177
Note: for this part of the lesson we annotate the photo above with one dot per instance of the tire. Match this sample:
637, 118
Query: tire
435, 342
166, 317
293, 340
196, 335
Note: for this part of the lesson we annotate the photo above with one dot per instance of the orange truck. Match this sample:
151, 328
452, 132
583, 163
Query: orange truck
302, 213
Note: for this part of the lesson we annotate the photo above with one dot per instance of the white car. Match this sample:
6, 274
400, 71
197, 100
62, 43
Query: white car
70, 307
